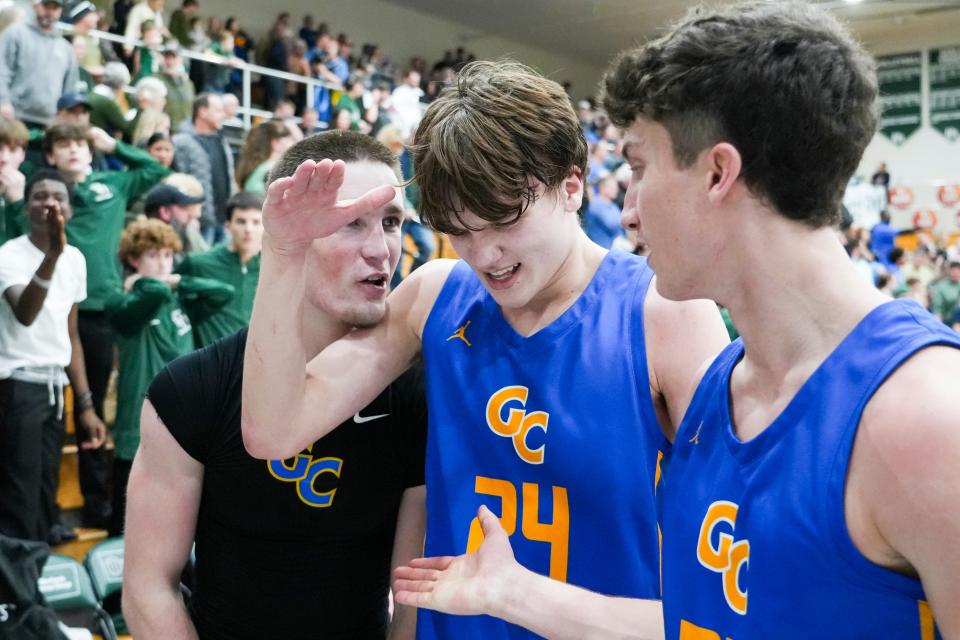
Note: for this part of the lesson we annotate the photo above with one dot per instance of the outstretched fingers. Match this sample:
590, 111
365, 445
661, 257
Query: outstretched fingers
412, 597
370, 201
301, 180
290, 187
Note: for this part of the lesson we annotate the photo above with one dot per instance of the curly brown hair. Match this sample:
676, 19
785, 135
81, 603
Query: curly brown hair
483, 139
145, 234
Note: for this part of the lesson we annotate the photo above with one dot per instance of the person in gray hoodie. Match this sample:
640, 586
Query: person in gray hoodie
37, 66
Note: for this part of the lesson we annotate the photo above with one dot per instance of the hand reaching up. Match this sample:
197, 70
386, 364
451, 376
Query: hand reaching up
56, 235
303, 207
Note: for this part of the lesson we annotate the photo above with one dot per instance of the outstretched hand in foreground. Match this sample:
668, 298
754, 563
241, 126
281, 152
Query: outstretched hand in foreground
468, 584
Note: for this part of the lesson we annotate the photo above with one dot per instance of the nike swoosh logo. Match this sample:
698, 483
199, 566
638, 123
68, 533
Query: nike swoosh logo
361, 419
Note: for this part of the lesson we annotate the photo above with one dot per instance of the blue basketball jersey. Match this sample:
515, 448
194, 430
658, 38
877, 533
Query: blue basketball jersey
556, 433
755, 541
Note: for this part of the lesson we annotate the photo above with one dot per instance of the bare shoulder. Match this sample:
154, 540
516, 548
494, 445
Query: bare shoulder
675, 317
682, 338
418, 292
915, 410
903, 484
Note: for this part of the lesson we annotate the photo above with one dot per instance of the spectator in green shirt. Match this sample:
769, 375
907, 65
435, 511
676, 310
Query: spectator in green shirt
152, 317
236, 263
105, 109
13, 144
263, 146
180, 21
351, 99
945, 295
100, 200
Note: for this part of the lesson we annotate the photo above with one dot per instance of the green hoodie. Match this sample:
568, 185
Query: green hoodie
99, 208
153, 328
222, 265
12, 221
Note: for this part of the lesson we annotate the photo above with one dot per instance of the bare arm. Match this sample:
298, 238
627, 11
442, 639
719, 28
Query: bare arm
163, 497
682, 338
491, 582
27, 301
407, 545
93, 428
280, 391
903, 488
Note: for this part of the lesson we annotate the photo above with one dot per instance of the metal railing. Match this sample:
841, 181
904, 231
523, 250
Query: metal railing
247, 110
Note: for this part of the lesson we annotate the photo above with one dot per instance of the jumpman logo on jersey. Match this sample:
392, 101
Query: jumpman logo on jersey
461, 333
696, 437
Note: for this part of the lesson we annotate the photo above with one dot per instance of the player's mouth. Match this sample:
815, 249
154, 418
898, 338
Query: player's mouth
375, 284
502, 278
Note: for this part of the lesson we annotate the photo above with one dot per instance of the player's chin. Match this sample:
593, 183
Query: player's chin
367, 315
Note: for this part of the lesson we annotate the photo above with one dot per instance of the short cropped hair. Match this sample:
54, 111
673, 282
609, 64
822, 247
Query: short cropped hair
784, 83
40, 176
244, 200
145, 234
483, 139
202, 101
13, 133
62, 131
348, 146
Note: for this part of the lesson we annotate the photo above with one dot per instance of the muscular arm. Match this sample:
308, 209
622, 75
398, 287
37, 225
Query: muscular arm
407, 545
491, 582
681, 339
903, 485
281, 391
163, 497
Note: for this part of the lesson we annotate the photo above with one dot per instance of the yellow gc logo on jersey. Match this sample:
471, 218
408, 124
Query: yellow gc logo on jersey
518, 423
728, 557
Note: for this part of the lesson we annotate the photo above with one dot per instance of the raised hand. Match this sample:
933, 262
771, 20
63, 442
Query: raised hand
11, 184
56, 235
102, 140
302, 207
461, 585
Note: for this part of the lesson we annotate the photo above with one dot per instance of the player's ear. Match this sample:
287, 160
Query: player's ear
722, 164
572, 189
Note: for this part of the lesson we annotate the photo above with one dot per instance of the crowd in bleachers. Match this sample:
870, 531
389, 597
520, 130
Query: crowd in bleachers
161, 212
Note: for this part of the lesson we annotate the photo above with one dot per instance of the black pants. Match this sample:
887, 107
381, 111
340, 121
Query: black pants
31, 444
98, 340
121, 474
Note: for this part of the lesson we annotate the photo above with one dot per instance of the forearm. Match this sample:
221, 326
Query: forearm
559, 611
274, 370
33, 295
157, 611
76, 370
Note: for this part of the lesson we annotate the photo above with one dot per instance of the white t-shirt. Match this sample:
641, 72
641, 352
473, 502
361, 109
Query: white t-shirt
405, 108
46, 342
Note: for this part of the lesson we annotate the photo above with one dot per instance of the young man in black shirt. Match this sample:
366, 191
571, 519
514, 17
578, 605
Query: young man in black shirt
299, 548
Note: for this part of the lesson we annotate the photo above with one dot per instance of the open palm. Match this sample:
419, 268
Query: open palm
462, 585
302, 207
